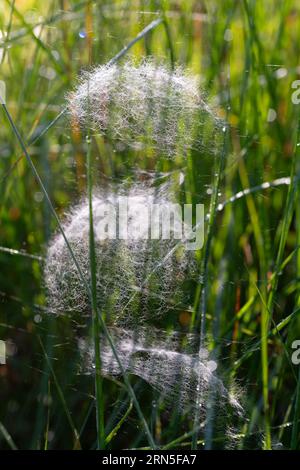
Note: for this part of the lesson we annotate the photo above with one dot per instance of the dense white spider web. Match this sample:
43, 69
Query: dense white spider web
169, 361
146, 105
140, 283
138, 279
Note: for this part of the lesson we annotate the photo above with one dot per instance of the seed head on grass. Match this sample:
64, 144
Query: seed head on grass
145, 105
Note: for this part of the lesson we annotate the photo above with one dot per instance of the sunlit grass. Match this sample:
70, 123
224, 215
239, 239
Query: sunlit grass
246, 302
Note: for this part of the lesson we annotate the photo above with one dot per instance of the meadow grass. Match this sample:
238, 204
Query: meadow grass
245, 305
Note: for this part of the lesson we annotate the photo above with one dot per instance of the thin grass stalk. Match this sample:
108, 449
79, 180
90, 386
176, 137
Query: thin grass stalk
62, 398
8, 30
9, 440
95, 311
204, 271
204, 263
142, 34
287, 219
168, 35
99, 396
295, 428
48, 422
255, 217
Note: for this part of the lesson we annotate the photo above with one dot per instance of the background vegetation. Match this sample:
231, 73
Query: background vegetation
247, 54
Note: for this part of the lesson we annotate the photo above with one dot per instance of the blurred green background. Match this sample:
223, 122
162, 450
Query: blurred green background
247, 55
